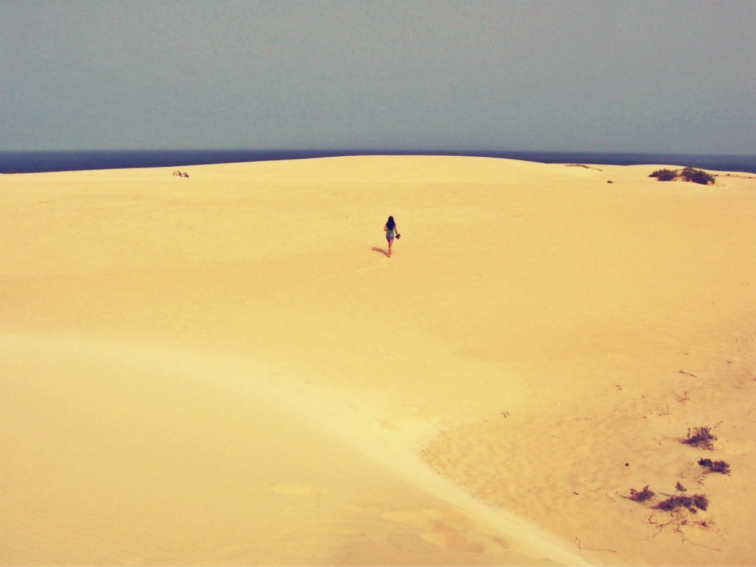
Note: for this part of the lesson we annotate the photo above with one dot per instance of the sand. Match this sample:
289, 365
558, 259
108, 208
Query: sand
227, 369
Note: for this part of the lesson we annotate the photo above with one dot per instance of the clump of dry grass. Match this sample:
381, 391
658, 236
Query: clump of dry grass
692, 503
701, 437
641, 495
664, 174
688, 174
715, 466
583, 165
697, 176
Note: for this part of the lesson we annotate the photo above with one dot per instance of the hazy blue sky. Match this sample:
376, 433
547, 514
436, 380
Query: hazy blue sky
636, 76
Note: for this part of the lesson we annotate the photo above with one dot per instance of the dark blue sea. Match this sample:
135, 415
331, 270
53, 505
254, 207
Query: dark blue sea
35, 162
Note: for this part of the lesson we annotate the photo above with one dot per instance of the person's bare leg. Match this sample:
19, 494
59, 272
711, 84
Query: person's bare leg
390, 242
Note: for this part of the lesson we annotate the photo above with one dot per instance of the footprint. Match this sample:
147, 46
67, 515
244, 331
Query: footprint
388, 425
447, 528
429, 517
230, 551
345, 530
472, 542
447, 514
438, 526
410, 517
454, 541
292, 489
364, 509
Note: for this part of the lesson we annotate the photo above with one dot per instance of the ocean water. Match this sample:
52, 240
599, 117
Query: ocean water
35, 162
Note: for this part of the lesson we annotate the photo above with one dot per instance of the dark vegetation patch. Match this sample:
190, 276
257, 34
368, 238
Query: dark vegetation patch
697, 176
641, 495
583, 165
732, 175
701, 437
715, 466
690, 174
692, 503
664, 174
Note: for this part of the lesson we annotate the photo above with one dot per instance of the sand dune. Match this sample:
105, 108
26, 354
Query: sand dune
227, 369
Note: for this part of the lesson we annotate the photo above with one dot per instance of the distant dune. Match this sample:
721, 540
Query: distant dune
226, 368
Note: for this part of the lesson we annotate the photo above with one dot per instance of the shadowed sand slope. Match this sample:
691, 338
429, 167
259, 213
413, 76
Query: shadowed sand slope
227, 368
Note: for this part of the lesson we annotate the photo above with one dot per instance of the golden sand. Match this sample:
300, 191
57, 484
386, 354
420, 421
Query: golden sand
227, 369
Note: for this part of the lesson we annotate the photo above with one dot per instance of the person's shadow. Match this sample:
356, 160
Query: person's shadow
381, 250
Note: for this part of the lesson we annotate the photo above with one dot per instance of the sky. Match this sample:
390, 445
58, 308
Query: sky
597, 76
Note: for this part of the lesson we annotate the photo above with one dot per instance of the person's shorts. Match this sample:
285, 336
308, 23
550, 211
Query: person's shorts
389, 235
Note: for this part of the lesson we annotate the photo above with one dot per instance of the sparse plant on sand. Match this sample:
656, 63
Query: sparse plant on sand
583, 165
715, 466
680, 488
687, 174
697, 176
664, 174
641, 495
681, 510
701, 437
692, 503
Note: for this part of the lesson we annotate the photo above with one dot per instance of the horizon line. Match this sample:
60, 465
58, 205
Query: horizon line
382, 151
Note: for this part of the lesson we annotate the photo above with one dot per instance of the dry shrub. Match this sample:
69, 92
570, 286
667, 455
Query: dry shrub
692, 503
715, 466
664, 174
641, 495
688, 174
701, 437
697, 176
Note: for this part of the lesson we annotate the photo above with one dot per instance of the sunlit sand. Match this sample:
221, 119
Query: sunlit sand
226, 368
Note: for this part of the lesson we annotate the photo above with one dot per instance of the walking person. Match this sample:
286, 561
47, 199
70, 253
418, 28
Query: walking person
391, 229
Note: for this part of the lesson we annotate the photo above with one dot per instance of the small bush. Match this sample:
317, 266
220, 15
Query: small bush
701, 437
679, 487
715, 466
697, 176
664, 174
642, 495
688, 174
700, 501
692, 503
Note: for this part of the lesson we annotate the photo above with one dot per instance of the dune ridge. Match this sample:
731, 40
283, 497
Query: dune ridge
536, 329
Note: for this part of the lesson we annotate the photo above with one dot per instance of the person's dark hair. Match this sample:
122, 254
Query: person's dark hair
390, 224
